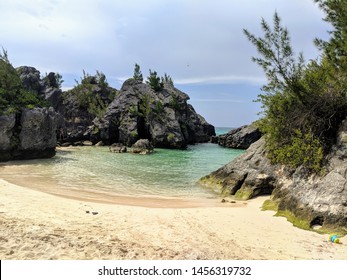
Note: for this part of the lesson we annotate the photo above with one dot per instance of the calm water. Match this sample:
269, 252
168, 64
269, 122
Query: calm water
165, 173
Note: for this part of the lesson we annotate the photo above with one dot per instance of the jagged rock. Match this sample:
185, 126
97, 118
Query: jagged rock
28, 134
118, 148
164, 117
30, 78
143, 147
247, 176
239, 138
312, 199
7, 124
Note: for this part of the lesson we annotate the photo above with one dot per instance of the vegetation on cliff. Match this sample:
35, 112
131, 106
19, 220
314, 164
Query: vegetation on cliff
92, 94
13, 96
303, 104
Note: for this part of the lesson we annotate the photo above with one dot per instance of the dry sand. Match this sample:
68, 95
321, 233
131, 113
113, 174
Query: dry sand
37, 225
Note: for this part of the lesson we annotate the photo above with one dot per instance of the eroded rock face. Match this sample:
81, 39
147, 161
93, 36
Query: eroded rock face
7, 124
28, 134
239, 138
248, 176
313, 199
164, 118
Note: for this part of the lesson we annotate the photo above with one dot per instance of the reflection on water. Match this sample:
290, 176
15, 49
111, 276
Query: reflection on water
166, 173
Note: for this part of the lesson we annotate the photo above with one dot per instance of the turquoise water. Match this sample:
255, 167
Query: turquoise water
222, 130
165, 173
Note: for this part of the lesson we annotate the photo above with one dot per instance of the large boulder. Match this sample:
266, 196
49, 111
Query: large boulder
164, 117
28, 134
248, 176
240, 138
307, 199
143, 147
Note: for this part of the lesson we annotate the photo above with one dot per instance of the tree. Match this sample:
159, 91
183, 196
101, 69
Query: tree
303, 104
154, 81
13, 97
137, 73
336, 48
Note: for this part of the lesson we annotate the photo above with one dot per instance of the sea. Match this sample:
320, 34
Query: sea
166, 173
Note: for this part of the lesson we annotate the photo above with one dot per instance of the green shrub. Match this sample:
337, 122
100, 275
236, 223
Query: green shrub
170, 137
154, 81
303, 105
13, 96
137, 73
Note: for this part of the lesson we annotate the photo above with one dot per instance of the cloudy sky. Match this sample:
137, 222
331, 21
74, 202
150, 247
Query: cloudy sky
199, 43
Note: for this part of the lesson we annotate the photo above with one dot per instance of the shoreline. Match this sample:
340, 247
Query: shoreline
36, 225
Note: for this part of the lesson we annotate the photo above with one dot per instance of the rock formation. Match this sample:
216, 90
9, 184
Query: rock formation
239, 138
143, 147
306, 199
163, 117
28, 134
94, 111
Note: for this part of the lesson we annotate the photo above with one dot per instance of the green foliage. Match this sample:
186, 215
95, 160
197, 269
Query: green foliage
303, 149
167, 80
154, 81
137, 73
170, 137
145, 106
303, 105
88, 93
175, 103
336, 48
13, 97
53, 80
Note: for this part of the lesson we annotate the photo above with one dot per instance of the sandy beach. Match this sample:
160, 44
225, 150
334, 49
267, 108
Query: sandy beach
37, 225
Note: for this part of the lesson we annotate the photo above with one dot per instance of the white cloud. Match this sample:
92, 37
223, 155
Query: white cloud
163, 35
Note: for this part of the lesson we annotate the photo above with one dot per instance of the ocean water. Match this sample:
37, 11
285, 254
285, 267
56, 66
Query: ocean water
165, 173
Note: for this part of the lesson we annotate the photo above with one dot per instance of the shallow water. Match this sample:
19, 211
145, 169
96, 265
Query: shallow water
165, 173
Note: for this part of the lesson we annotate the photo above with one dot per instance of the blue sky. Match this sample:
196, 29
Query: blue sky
199, 43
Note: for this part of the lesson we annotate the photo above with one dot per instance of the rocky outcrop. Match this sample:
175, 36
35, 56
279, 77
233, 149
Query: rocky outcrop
239, 138
143, 147
118, 148
163, 117
28, 134
93, 111
248, 176
306, 199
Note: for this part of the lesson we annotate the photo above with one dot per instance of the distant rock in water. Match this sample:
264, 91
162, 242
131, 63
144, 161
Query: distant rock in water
118, 148
239, 138
143, 147
28, 134
163, 117
306, 199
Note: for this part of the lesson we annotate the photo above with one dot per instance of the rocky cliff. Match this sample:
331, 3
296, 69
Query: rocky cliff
28, 134
94, 111
164, 117
239, 138
306, 199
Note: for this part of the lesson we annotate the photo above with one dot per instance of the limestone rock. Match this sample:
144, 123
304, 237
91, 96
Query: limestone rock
118, 148
312, 199
164, 117
143, 147
239, 138
248, 176
28, 134
7, 124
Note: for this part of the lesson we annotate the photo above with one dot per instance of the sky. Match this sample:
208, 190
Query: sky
200, 44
